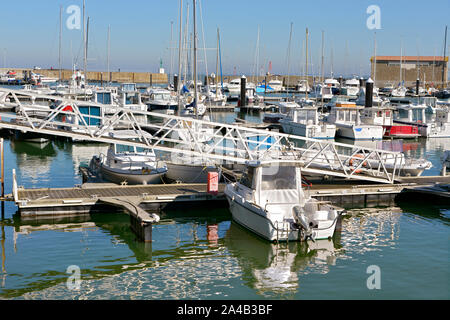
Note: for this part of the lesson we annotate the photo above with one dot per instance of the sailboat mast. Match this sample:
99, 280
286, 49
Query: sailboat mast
179, 56
289, 57
374, 58
306, 66
401, 58
84, 42
217, 65
444, 79
171, 51
195, 58
109, 49
321, 67
60, 36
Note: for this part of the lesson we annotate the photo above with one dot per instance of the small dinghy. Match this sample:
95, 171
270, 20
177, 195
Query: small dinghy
128, 164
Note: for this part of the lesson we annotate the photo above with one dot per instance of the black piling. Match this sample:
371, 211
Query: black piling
417, 86
175, 82
369, 93
243, 100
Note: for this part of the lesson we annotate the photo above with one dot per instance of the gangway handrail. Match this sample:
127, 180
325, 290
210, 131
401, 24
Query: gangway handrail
315, 155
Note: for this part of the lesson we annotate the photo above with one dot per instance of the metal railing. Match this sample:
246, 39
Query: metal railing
215, 141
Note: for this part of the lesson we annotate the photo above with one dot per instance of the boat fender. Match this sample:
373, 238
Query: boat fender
156, 217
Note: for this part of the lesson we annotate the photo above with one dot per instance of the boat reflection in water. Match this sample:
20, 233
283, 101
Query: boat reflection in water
193, 256
275, 268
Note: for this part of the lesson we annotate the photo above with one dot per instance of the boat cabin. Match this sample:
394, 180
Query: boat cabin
382, 116
411, 113
305, 115
276, 185
345, 112
125, 149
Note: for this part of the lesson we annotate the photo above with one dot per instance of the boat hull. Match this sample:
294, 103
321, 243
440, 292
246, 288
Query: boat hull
258, 223
130, 178
361, 132
309, 131
189, 173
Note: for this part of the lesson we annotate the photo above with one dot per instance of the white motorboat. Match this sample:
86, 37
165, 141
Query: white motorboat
161, 101
128, 164
324, 91
40, 79
384, 116
108, 97
304, 122
276, 85
284, 109
346, 117
302, 86
130, 97
399, 92
350, 88
440, 123
269, 201
234, 88
446, 159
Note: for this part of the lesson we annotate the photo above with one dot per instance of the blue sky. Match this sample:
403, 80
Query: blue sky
141, 32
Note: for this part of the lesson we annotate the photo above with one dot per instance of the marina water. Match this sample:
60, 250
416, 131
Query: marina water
199, 253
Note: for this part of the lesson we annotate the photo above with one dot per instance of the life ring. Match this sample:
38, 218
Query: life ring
350, 162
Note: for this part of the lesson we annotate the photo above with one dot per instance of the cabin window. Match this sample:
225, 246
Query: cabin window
104, 97
122, 148
131, 98
129, 87
278, 178
247, 177
90, 111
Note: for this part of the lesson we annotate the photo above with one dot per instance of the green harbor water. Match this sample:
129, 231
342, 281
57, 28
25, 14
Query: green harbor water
199, 253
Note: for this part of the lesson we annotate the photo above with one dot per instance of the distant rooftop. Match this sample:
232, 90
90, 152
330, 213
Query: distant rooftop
410, 58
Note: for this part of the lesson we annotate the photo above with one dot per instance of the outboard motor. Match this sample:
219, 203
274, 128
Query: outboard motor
300, 218
302, 221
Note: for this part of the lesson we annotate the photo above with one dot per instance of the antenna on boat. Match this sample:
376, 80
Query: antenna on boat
289, 58
108, 56
444, 80
195, 60
60, 36
306, 67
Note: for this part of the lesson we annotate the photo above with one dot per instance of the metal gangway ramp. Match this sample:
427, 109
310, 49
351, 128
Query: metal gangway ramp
189, 138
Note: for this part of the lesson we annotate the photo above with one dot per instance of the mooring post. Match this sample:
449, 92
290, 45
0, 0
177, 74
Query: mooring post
2, 177
369, 93
175, 83
151, 80
2, 167
243, 91
147, 232
417, 86
265, 84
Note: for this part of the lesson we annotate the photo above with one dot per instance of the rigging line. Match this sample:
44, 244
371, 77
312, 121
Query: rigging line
203, 38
